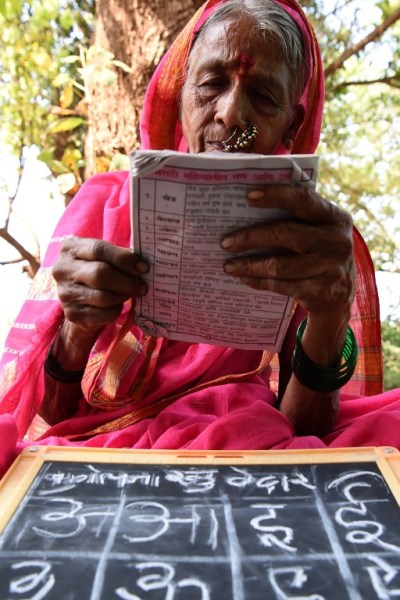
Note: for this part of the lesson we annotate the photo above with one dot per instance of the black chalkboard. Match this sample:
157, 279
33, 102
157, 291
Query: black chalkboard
203, 532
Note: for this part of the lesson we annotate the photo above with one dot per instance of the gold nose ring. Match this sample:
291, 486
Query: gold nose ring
243, 140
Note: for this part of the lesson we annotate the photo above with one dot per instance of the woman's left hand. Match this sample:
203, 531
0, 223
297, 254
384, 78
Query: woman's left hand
316, 266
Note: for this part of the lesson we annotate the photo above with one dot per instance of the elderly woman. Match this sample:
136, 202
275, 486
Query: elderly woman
243, 75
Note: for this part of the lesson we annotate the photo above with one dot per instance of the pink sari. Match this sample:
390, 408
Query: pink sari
146, 392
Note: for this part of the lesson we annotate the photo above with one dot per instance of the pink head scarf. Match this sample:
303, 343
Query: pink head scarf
160, 127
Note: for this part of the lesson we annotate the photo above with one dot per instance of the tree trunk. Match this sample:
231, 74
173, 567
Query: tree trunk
138, 33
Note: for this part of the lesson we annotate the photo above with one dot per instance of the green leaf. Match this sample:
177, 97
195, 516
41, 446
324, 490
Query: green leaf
66, 20
3, 8
41, 58
45, 156
67, 96
16, 6
122, 65
71, 59
119, 162
66, 124
57, 167
71, 157
61, 80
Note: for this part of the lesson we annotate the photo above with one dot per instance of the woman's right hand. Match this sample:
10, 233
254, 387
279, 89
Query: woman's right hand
94, 279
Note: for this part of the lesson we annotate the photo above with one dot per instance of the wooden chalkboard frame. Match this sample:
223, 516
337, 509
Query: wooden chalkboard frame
26, 467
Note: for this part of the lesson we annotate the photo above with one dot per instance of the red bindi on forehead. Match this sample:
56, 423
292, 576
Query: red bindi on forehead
244, 62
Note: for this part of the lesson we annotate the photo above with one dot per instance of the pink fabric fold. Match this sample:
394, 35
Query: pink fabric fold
232, 420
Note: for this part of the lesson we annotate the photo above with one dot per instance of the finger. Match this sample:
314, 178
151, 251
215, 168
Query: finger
312, 294
80, 295
102, 276
285, 268
298, 237
87, 249
303, 203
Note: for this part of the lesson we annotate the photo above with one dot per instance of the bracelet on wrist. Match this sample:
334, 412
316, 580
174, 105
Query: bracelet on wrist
55, 371
324, 379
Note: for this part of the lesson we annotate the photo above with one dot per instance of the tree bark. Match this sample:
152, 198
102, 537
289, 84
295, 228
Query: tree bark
138, 33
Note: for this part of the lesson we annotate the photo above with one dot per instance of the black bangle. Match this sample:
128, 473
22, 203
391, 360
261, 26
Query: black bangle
56, 372
324, 379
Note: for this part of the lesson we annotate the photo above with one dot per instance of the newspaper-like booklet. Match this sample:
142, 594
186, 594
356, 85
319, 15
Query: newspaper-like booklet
182, 207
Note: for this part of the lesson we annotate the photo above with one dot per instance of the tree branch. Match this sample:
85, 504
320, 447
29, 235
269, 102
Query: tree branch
355, 48
390, 81
4, 263
26, 255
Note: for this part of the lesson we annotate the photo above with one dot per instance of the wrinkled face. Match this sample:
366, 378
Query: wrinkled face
234, 79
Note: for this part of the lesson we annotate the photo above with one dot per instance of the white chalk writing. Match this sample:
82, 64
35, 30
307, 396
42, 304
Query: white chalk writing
202, 532
39, 576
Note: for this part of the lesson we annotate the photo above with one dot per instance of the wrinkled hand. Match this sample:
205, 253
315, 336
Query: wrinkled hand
316, 266
95, 278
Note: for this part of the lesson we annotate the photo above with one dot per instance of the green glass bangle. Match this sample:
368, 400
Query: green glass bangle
324, 379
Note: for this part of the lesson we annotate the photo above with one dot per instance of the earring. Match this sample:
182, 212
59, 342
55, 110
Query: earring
289, 143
